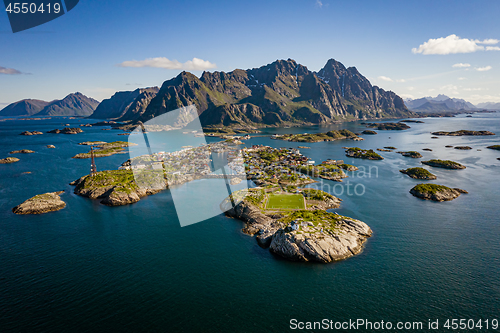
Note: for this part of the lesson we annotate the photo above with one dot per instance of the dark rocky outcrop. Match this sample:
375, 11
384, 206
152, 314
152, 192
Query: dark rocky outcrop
419, 173
67, 130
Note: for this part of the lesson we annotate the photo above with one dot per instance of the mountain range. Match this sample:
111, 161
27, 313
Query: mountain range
440, 103
75, 104
281, 93
489, 106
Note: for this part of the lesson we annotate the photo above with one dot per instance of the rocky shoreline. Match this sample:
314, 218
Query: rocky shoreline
304, 235
337, 238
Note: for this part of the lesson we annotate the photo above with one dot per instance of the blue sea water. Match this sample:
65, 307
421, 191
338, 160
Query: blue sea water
92, 268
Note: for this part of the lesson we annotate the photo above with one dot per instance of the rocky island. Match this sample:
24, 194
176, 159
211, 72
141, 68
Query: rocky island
436, 192
113, 187
40, 204
31, 133
363, 154
419, 173
369, 132
463, 147
412, 154
22, 151
67, 130
9, 160
318, 137
302, 234
495, 147
445, 164
388, 126
463, 133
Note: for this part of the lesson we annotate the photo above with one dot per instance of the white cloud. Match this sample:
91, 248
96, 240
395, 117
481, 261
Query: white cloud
161, 62
461, 65
319, 3
453, 44
483, 69
385, 78
490, 41
9, 71
450, 88
472, 89
462, 78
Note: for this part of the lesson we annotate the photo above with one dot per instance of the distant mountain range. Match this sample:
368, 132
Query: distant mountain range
441, 103
281, 93
489, 106
75, 104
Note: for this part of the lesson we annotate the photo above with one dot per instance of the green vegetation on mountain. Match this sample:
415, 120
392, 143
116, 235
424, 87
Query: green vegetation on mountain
281, 93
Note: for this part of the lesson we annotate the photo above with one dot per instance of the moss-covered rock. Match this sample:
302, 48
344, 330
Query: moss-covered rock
412, 154
419, 173
436, 192
445, 164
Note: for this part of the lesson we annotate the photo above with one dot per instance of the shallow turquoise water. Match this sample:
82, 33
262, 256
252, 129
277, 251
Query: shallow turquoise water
133, 268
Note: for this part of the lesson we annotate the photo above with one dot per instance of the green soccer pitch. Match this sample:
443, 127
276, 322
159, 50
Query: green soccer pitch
285, 201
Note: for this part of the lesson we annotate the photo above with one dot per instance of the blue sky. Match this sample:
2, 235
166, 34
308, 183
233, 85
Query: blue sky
82, 50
